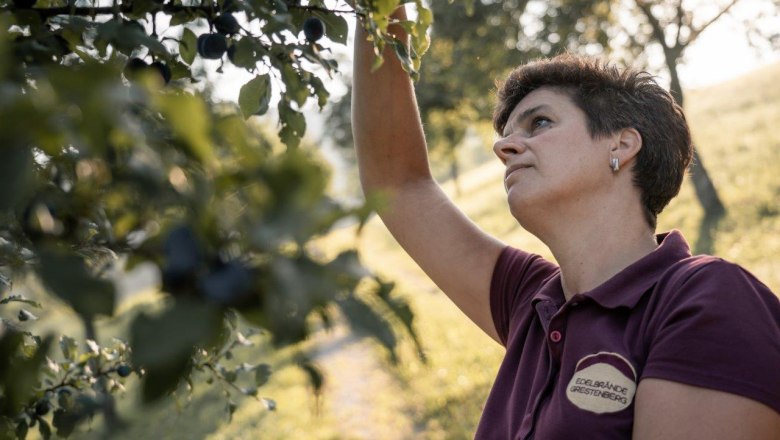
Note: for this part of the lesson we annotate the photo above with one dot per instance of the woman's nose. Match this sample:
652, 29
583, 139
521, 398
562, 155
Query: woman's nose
504, 148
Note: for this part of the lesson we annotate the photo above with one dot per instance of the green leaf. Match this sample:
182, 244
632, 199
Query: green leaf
347, 265
44, 429
126, 37
278, 23
249, 391
262, 374
189, 119
15, 172
66, 421
469, 7
363, 319
244, 54
316, 378
336, 26
269, 403
421, 41
401, 311
24, 315
379, 60
229, 376
20, 367
163, 344
27, 17
403, 54
385, 7
321, 92
143, 7
255, 96
69, 348
293, 124
424, 15
181, 17
230, 408
21, 430
66, 275
179, 70
65, 399
295, 88
21, 299
188, 46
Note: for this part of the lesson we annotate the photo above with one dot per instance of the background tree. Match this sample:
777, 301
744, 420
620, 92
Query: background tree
96, 167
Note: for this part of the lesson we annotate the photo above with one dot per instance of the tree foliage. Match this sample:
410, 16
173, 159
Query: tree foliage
110, 155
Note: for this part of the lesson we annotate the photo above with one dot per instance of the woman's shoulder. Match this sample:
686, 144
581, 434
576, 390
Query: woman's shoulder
708, 290
710, 323
711, 275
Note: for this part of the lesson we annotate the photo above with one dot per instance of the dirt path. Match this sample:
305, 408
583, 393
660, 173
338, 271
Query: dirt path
359, 392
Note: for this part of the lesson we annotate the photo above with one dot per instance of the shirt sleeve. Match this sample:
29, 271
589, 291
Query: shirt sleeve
719, 329
517, 275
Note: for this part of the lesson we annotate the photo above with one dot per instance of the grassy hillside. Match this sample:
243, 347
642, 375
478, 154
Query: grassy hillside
734, 126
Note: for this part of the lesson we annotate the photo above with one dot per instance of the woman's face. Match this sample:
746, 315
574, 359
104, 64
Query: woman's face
552, 163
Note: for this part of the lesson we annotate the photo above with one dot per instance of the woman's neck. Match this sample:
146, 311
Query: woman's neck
587, 260
598, 245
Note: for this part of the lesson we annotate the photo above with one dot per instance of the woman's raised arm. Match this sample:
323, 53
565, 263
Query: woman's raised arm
393, 159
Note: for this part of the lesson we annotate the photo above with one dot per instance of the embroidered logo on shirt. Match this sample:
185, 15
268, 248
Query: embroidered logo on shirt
602, 383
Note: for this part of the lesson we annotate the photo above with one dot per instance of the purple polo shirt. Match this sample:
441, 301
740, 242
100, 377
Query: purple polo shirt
571, 368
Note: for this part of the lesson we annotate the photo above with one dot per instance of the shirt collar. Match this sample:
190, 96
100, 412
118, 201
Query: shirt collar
627, 287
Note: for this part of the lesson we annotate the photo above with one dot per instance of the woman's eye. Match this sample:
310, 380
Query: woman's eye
540, 122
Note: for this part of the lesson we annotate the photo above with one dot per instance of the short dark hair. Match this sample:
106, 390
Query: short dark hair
613, 99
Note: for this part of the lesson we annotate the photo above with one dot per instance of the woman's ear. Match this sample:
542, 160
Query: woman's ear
628, 144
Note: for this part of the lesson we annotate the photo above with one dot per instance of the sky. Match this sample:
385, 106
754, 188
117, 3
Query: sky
722, 51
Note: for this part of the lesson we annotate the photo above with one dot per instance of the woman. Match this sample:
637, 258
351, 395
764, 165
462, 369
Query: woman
628, 335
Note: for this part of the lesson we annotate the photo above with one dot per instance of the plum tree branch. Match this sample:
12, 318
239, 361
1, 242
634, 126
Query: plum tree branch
680, 19
225, 383
658, 31
127, 7
695, 31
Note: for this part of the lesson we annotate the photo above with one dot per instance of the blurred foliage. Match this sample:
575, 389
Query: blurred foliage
107, 152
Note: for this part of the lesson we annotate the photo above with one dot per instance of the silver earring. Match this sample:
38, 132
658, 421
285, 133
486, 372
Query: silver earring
614, 163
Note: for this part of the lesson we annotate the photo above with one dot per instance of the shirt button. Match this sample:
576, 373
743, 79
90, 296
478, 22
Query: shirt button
555, 336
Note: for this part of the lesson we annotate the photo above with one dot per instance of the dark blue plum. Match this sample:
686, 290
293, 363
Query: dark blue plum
183, 259
229, 284
226, 24
212, 46
124, 370
163, 69
313, 29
